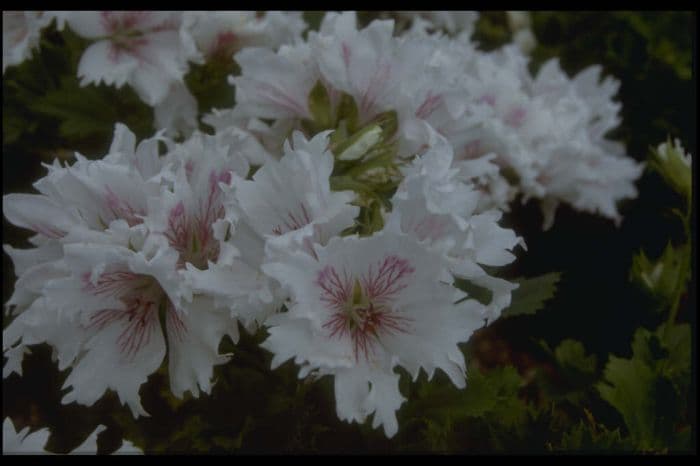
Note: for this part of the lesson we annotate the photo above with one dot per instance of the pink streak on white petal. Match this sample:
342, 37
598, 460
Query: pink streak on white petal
176, 326
346, 54
293, 221
191, 233
141, 298
111, 284
49, 232
121, 209
429, 105
369, 97
336, 291
516, 117
278, 97
389, 278
431, 227
487, 99
366, 322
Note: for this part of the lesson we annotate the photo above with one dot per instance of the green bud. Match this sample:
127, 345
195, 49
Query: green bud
660, 278
320, 107
674, 165
356, 146
347, 112
388, 121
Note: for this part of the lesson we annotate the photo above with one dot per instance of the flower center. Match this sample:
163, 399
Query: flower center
363, 309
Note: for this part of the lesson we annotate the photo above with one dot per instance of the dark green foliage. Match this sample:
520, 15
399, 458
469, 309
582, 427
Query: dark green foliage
532, 294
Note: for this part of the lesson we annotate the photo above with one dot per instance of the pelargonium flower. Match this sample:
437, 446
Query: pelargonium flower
23, 442
434, 206
362, 306
146, 49
114, 276
547, 134
379, 72
21, 31
454, 22
288, 203
177, 112
222, 33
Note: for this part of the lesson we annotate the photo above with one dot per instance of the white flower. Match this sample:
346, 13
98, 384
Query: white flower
98, 289
260, 91
364, 306
454, 22
145, 49
21, 31
288, 203
22, 442
435, 207
291, 198
221, 33
177, 112
15, 443
257, 141
547, 133
91, 194
185, 213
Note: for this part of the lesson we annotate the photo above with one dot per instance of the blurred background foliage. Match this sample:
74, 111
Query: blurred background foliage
592, 361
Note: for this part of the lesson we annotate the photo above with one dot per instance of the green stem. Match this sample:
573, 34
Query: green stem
684, 266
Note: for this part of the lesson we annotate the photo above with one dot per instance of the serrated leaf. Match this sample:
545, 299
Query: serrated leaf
492, 394
628, 387
532, 294
650, 389
586, 438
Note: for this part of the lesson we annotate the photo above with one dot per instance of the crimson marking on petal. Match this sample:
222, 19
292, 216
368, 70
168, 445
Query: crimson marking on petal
293, 222
121, 209
516, 117
364, 313
388, 279
429, 105
141, 320
472, 150
335, 291
431, 226
113, 284
346, 54
176, 326
224, 44
379, 77
487, 99
278, 97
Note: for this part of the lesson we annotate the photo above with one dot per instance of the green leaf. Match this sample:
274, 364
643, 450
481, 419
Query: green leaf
584, 437
492, 394
474, 291
662, 278
650, 390
531, 295
628, 387
571, 356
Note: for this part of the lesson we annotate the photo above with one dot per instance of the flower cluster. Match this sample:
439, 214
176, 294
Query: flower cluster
358, 177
